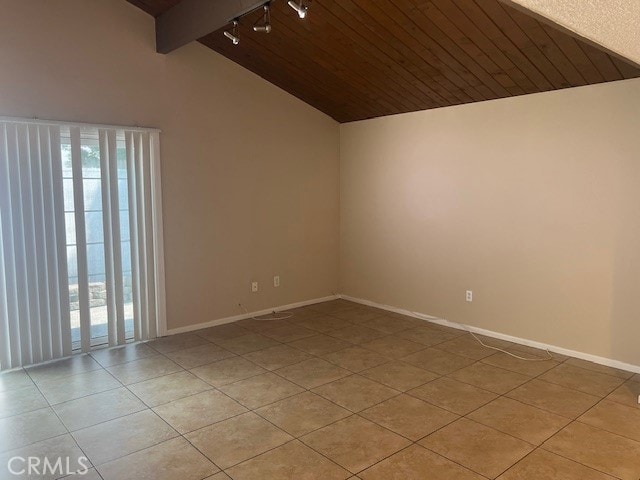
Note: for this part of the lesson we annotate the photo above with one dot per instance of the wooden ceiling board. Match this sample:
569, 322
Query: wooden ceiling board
358, 59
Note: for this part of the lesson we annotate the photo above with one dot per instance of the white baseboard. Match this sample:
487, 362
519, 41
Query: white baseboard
501, 336
243, 316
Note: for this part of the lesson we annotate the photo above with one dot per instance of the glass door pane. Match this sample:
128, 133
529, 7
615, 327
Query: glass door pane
95, 237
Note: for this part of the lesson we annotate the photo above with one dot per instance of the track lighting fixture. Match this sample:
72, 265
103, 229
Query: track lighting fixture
233, 35
300, 8
265, 25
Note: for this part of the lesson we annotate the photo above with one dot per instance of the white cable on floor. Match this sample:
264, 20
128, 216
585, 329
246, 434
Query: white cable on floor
281, 317
550, 357
513, 354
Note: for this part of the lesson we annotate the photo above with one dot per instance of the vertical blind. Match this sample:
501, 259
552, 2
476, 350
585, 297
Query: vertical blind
80, 239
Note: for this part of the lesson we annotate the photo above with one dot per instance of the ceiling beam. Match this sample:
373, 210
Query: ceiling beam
190, 20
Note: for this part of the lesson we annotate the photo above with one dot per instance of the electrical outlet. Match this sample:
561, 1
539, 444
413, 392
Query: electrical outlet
254, 287
276, 281
469, 296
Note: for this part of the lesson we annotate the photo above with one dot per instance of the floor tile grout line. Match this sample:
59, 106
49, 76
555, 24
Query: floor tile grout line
202, 453
534, 447
504, 395
360, 416
515, 345
282, 343
543, 408
542, 447
300, 439
198, 377
465, 417
150, 377
127, 345
209, 424
521, 460
140, 449
180, 436
109, 420
152, 407
537, 377
75, 441
54, 405
475, 361
412, 442
266, 404
63, 377
566, 360
575, 389
319, 428
556, 433
39, 383
123, 386
33, 385
357, 413
293, 437
623, 380
578, 420
416, 444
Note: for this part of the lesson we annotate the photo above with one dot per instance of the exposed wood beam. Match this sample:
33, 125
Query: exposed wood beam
190, 20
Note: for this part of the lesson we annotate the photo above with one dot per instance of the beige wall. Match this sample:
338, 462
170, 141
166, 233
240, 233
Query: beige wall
250, 174
531, 202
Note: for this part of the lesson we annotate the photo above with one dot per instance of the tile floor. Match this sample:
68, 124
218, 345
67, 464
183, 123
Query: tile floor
338, 391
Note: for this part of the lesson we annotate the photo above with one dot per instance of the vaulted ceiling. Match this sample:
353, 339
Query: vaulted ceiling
358, 59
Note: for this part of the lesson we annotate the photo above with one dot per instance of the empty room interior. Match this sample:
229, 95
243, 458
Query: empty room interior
320, 239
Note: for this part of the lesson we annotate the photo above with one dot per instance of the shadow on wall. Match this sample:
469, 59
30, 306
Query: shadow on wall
625, 301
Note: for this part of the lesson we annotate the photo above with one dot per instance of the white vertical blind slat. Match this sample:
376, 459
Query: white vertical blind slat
140, 234
81, 240
115, 234
60, 241
49, 143
158, 229
148, 231
39, 155
133, 233
9, 351
28, 153
5, 342
14, 137
107, 222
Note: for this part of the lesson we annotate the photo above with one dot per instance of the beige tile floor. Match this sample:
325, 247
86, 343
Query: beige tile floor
337, 391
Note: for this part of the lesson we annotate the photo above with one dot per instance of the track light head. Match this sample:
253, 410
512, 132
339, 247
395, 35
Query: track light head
265, 26
233, 35
301, 9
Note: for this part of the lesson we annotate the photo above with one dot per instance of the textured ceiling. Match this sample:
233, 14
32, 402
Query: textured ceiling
357, 59
614, 24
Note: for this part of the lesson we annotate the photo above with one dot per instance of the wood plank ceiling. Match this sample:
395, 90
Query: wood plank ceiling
358, 59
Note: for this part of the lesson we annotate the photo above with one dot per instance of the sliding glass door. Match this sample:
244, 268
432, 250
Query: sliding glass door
81, 246
96, 251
